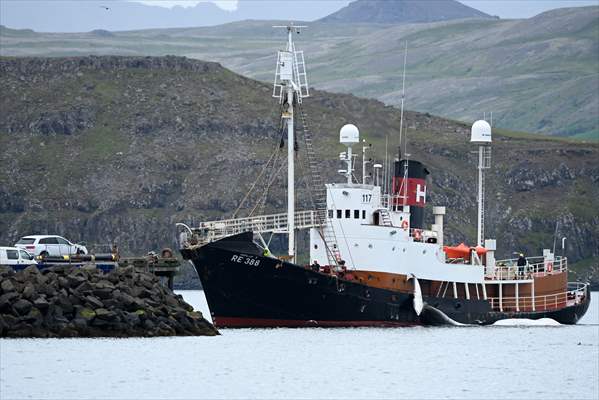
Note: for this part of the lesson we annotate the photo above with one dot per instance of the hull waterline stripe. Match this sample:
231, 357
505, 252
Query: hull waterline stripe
236, 322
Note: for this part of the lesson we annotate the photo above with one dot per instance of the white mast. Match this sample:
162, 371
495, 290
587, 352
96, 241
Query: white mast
364, 162
290, 85
481, 134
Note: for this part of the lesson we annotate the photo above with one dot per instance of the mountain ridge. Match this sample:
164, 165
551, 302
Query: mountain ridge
403, 11
457, 69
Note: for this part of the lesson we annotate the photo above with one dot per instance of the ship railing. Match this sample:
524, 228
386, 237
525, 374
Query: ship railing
535, 268
389, 201
210, 231
576, 293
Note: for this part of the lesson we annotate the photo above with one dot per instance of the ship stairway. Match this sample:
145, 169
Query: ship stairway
211, 231
319, 196
385, 217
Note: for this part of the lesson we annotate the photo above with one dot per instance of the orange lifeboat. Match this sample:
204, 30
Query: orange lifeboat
463, 251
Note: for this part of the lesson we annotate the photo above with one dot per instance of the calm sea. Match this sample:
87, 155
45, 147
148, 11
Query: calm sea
498, 362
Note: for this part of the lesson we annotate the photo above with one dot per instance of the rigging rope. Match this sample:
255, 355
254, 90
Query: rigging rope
274, 156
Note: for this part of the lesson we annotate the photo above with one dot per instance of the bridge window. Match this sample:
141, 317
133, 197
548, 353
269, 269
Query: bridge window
330, 214
356, 214
339, 214
363, 214
347, 213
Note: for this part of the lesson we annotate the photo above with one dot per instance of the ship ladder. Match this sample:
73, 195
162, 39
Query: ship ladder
385, 217
318, 195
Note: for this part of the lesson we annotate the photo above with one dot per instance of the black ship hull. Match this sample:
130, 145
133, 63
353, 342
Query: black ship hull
243, 288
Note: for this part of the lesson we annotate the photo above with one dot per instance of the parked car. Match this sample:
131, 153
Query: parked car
49, 245
14, 256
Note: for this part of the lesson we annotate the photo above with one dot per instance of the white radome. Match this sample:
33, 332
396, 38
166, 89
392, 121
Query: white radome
349, 134
481, 132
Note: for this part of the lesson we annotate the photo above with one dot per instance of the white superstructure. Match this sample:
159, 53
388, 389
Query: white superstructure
371, 236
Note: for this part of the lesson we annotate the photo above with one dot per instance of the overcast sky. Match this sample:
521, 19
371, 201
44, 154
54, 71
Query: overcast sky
118, 15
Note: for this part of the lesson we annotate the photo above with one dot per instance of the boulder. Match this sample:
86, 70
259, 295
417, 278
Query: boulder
6, 301
29, 291
22, 306
7, 286
94, 302
41, 304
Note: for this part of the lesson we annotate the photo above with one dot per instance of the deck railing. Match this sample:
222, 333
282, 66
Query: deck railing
575, 294
210, 231
536, 267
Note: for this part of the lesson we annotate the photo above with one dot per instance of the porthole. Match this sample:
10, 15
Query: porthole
370, 246
423, 251
315, 247
404, 249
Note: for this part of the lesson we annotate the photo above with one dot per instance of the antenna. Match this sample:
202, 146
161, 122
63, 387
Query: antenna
403, 96
386, 167
481, 134
364, 161
555, 235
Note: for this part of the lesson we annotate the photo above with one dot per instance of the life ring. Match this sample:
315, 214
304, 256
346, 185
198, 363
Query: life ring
417, 235
550, 267
405, 225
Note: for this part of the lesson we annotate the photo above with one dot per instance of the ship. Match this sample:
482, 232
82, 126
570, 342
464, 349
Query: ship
372, 260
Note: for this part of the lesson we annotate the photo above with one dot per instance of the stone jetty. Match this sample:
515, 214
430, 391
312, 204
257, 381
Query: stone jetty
67, 301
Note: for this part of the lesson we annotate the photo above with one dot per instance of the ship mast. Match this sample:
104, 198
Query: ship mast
289, 87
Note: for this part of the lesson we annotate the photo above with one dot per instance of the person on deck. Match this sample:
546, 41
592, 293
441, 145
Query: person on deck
521, 263
315, 266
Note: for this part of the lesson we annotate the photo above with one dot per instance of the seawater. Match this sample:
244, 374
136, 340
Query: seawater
498, 362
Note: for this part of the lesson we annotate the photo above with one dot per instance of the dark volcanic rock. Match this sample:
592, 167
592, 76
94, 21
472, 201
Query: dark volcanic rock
72, 302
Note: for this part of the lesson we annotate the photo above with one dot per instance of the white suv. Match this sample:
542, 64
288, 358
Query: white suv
15, 257
49, 245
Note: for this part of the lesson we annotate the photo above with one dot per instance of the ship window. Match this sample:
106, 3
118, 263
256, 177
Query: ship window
339, 214
363, 214
315, 247
347, 213
330, 214
356, 214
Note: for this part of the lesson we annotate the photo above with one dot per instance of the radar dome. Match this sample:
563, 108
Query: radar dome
349, 135
481, 132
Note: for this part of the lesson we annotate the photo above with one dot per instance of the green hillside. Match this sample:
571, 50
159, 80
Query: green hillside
538, 75
119, 149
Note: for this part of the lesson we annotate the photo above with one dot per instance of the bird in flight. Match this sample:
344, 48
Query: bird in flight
106, 8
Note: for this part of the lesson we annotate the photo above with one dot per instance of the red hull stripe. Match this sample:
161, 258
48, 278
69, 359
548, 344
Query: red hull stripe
234, 322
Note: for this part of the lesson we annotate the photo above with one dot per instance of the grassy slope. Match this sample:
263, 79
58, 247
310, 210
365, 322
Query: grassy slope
538, 75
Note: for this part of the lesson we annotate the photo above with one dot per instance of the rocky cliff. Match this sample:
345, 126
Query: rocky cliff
119, 149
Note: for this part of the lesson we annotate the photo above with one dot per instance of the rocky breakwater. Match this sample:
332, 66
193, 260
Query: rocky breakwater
68, 301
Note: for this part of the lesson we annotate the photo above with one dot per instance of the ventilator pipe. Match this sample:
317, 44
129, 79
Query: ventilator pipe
439, 212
